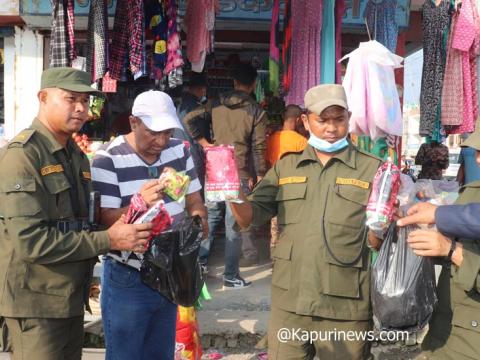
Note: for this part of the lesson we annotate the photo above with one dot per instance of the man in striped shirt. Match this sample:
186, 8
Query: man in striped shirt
137, 319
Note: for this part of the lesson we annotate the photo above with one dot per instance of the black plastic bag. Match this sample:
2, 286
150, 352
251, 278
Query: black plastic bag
403, 284
171, 266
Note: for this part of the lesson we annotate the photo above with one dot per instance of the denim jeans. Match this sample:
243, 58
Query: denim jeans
139, 323
217, 212
233, 239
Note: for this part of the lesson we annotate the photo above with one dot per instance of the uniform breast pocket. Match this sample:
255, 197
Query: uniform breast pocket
291, 200
58, 187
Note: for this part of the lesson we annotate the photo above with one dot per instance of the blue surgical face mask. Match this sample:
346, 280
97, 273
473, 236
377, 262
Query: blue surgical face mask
325, 146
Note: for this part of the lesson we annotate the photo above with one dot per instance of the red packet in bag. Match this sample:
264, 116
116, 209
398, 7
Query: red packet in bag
381, 204
222, 182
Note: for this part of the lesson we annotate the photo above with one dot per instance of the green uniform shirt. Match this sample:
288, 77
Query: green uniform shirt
44, 272
315, 205
455, 325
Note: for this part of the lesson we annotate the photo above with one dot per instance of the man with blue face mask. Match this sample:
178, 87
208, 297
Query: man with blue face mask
321, 273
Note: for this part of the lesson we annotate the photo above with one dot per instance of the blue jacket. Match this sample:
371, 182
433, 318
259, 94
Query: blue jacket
459, 220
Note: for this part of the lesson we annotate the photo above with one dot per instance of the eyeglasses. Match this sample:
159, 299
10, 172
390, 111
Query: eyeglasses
153, 172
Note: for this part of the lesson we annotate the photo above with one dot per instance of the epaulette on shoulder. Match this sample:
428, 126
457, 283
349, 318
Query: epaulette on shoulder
370, 155
22, 138
291, 153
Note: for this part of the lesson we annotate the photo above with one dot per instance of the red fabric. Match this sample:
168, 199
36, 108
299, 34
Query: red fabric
128, 30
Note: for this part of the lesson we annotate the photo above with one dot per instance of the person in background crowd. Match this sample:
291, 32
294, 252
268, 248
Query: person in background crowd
433, 158
321, 269
195, 96
237, 120
140, 322
469, 170
454, 327
48, 246
283, 142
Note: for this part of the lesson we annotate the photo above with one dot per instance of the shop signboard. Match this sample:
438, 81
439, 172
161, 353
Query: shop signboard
234, 10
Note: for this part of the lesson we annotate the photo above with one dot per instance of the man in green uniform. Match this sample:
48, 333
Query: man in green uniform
454, 331
321, 272
48, 250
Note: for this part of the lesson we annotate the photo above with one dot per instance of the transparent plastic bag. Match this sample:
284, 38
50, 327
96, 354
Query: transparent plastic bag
403, 284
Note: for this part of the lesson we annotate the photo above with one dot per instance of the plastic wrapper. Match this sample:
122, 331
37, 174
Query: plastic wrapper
175, 183
188, 345
381, 204
222, 182
170, 265
403, 284
139, 213
438, 192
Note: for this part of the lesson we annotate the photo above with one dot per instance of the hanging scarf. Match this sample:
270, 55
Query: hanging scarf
128, 39
62, 44
97, 40
287, 48
274, 59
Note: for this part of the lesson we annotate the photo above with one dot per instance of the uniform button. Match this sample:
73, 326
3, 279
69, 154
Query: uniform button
474, 323
18, 187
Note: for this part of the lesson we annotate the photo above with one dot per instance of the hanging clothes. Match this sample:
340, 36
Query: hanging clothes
274, 58
339, 13
436, 20
372, 92
62, 43
328, 49
97, 39
128, 39
306, 40
200, 22
156, 18
287, 48
380, 15
465, 39
452, 92
70, 28
173, 68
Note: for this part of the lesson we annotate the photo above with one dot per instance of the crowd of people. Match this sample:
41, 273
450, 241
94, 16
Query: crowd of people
312, 191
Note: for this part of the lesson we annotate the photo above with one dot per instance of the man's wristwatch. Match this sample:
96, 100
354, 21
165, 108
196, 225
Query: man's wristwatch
453, 246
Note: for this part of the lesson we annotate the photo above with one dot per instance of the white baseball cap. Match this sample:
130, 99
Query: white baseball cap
156, 110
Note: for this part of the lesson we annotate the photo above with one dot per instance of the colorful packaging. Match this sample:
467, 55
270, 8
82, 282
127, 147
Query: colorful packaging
381, 204
175, 183
222, 182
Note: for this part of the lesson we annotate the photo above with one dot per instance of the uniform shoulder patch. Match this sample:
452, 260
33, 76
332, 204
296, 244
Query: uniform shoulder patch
291, 153
23, 137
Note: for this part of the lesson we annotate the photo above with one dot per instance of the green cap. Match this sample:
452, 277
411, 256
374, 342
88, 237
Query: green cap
70, 79
321, 97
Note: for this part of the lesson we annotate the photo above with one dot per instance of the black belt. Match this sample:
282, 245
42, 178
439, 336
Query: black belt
71, 225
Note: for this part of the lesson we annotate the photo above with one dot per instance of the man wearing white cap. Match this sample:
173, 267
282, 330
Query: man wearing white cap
139, 322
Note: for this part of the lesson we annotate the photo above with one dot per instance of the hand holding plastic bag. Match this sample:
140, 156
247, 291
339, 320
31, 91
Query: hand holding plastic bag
403, 284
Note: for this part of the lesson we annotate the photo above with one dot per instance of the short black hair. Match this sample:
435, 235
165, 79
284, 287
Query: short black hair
292, 111
244, 73
197, 79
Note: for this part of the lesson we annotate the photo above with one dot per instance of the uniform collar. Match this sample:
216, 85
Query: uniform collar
53, 145
348, 155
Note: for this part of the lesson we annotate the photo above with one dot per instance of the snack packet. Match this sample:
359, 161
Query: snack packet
222, 182
175, 183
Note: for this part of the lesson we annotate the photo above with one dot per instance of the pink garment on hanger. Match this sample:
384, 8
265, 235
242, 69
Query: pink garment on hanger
452, 92
199, 21
306, 42
465, 32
